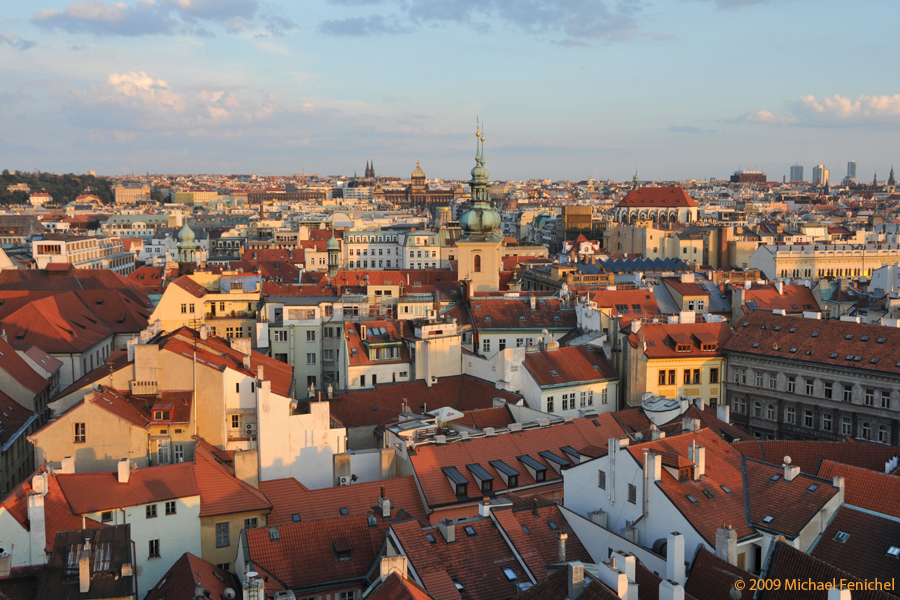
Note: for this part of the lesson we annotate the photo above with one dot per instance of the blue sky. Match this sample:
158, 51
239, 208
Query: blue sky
567, 88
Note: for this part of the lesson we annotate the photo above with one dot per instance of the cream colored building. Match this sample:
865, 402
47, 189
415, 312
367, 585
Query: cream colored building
812, 261
83, 253
131, 194
650, 241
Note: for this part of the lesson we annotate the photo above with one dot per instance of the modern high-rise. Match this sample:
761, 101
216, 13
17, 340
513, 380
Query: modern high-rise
797, 173
820, 175
851, 169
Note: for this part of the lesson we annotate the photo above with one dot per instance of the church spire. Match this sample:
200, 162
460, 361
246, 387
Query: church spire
891, 180
636, 183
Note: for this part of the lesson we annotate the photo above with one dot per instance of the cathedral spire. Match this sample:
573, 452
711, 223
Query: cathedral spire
635, 182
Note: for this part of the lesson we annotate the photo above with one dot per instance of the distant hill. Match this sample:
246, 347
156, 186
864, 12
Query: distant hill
62, 188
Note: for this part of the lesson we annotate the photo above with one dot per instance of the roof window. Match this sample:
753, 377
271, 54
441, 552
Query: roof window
841, 536
864, 338
776, 477
880, 340
526, 530
295, 517
813, 487
692, 499
510, 574
470, 531
554, 373
834, 355
849, 336
273, 534
430, 538
792, 330
708, 494
874, 360
744, 324
768, 519
487, 319
725, 489
553, 525
792, 350
894, 551
345, 512
756, 344
815, 334
778, 328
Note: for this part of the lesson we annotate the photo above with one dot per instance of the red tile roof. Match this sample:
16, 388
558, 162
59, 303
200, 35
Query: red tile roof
872, 490
289, 497
863, 551
221, 492
775, 338
428, 459
304, 554
476, 561
556, 587
535, 541
793, 299
354, 408
18, 369
644, 299
653, 197
569, 366
661, 338
94, 492
808, 455
59, 324
397, 588
190, 286
13, 417
179, 581
358, 349
498, 313
711, 578
497, 417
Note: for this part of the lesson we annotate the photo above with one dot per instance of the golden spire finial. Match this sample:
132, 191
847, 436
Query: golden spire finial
477, 128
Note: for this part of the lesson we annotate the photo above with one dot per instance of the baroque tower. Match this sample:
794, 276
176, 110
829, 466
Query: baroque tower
480, 248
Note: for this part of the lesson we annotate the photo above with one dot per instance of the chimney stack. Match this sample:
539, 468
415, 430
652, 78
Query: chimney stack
393, 564
448, 530
84, 569
790, 471
38, 529
67, 467
670, 590
576, 579
838, 482
675, 557
561, 544
697, 455
484, 509
124, 470
362, 332
723, 412
726, 544
198, 591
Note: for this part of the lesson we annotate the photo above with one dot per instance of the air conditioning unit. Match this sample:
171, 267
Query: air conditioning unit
344, 480
250, 429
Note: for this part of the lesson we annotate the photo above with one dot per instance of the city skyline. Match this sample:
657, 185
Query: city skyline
567, 90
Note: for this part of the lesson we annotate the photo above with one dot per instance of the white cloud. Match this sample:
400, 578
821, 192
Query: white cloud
833, 111
14, 41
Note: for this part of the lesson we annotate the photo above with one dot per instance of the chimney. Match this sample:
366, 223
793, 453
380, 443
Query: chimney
484, 509
38, 529
204, 332
697, 455
790, 471
198, 591
838, 482
670, 590
84, 569
247, 360
448, 530
561, 545
839, 594
726, 544
655, 433
5, 564
652, 466
385, 506
330, 392
576, 579
779, 286
599, 517
39, 484
614, 579
393, 564
246, 467
68, 466
124, 470
362, 332
723, 412
625, 562
675, 557
533, 301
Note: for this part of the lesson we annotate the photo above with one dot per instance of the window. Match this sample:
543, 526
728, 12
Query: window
549, 404
714, 375
235, 421
662, 377
826, 422
502, 344
170, 507
866, 431
476, 262
790, 415
565, 402
80, 435
828, 389
351, 595
809, 387
695, 378
807, 418
106, 516
310, 335
770, 412
151, 511
759, 379
604, 397
310, 358
739, 405
885, 400
583, 401
222, 538
251, 523
870, 397
632, 493
846, 426
281, 335
773, 380
601, 479
520, 342
184, 308
154, 549
485, 346
671, 376
848, 393
882, 434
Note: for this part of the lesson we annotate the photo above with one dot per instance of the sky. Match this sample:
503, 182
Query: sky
567, 89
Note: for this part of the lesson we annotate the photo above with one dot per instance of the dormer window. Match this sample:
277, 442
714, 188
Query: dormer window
684, 474
682, 348
709, 347
458, 482
162, 415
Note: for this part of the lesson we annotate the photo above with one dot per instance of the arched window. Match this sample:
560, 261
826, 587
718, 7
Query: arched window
477, 263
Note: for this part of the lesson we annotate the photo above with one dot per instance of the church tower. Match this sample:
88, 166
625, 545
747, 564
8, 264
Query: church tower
334, 255
480, 248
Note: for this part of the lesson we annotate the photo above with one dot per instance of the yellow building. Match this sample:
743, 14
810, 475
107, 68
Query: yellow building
668, 359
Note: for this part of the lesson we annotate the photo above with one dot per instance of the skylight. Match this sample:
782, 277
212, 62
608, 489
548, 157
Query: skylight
295, 517
841, 536
880, 340
553, 525
792, 330
725, 489
692, 499
526, 530
778, 328
849, 336
554, 373
768, 519
813, 487
345, 512
894, 551
470, 531
756, 344
815, 334
834, 355
776, 477
510, 574
864, 338
430, 538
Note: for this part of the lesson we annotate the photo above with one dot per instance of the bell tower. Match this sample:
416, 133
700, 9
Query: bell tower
480, 248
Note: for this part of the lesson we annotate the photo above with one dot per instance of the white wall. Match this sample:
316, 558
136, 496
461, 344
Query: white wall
504, 367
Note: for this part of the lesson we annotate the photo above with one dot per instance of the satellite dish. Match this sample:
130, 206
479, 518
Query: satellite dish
229, 594
787, 460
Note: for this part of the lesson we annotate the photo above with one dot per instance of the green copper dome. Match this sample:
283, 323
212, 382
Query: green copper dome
481, 222
333, 243
186, 235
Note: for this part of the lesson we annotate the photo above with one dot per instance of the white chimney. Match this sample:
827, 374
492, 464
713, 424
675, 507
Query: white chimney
779, 286
723, 412
448, 530
576, 579
260, 373
613, 578
533, 301
698, 402
697, 455
726, 544
790, 471
84, 569
124, 470
246, 361
561, 546
68, 466
838, 482
625, 562
675, 557
670, 590
39, 484
484, 509
38, 529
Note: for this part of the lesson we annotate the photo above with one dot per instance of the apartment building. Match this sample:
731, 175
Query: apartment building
82, 253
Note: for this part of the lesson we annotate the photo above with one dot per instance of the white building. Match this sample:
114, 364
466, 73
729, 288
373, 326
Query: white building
82, 253
571, 381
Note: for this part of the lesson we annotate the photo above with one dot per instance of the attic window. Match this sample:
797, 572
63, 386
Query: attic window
794, 306
725, 489
894, 551
521, 318
864, 338
768, 519
430, 538
813, 487
815, 334
526, 530
682, 348
650, 343
776, 477
511, 575
841, 536
756, 344
553, 525
880, 340
487, 319
273, 534
345, 512
708, 494
848, 357
477, 307
792, 330
874, 361
709, 347
744, 324
554, 373
458, 585
470, 531
849, 336
792, 350
692, 499
370, 518
834, 355
556, 317
295, 517
778, 328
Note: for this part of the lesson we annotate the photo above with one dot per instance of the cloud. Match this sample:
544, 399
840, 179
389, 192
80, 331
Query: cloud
734, 4
14, 41
116, 18
360, 26
214, 10
833, 111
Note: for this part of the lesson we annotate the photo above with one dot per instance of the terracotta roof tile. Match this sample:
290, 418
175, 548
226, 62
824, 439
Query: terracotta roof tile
18, 368
289, 497
572, 365
872, 490
220, 491
13, 417
808, 455
59, 324
711, 578
661, 339
858, 541
622, 303
497, 417
499, 313
793, 299
397, 588
652, 197
179, 581
94, 492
